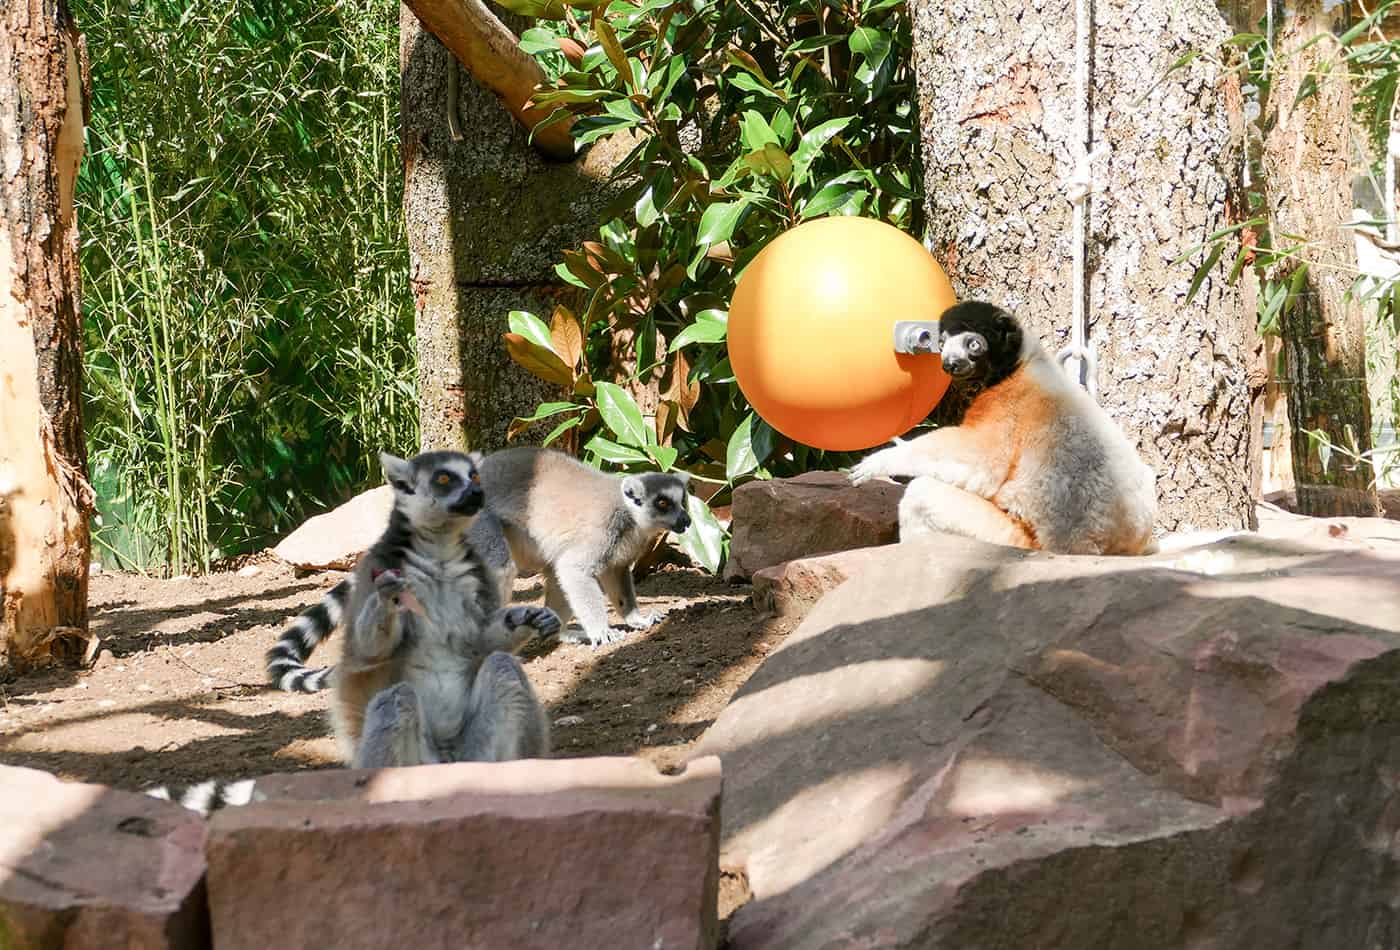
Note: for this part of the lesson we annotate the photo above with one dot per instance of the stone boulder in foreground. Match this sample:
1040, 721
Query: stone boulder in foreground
967, 746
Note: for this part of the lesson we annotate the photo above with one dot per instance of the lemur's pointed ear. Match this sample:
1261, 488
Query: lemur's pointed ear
397, 472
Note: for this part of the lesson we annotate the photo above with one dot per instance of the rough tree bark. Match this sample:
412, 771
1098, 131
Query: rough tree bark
44, 496
997, 100
1308, 179
487, 218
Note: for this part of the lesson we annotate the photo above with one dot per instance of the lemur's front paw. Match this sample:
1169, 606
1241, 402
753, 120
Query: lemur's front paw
394, 590
389, 583
641, 619
542, 620
889, 461
594, 638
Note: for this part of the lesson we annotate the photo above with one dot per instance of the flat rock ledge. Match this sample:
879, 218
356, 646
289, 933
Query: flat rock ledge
588, 853
966, 746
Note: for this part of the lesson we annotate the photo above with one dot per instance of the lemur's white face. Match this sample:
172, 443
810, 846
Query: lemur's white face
963, 353
657, 500
437, 491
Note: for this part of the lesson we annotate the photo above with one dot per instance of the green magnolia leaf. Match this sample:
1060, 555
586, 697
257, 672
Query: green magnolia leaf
646, 209
738, 457
813, 43
813, 142
607, 38
609, 451
719, 221
755, 132
541, 9
873, 44
541, 361
703, 541
762, 439
771, 161
833, 196
620, 413
561, 428
531, 328
538, 40
664, 455
547, 409
710, 326
749, 84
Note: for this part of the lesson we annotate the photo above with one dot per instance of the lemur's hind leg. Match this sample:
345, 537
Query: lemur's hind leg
504, 718
931, 506
393, 731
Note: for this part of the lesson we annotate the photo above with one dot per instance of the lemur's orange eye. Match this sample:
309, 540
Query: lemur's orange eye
476, 478
443, 479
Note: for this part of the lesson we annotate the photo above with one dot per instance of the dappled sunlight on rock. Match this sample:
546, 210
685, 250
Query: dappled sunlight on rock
830, 695
988, 786
780, 851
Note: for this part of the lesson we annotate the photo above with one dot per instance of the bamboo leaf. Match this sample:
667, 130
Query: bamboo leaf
1204, 270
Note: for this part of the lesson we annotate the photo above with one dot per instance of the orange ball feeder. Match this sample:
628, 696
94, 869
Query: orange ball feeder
811, 332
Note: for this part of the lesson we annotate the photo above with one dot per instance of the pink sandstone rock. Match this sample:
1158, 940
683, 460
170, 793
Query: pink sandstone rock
966, 746
792, 588
85, 867
783, 519
336, 539
576, 853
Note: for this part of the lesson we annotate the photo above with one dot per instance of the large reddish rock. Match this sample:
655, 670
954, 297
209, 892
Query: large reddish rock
966, 746
792, 588
578, 853
84, 867
336, 539
783, 519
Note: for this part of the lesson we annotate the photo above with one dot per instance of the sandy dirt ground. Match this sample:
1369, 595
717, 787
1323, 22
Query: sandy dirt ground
176, 694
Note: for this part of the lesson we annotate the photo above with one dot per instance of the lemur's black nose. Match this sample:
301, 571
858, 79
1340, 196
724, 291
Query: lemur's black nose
468, 502
957, 365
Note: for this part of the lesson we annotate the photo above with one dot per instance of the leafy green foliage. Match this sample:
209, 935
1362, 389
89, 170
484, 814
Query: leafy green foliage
1282, 262
747, 119
247, 316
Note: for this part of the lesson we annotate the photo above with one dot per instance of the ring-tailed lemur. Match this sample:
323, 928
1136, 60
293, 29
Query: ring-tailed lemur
584, 529
428, 672
1057, 471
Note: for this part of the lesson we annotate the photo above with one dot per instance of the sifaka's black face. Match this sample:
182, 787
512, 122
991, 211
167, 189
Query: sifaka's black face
979, 342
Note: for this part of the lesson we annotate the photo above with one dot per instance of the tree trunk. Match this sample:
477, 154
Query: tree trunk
1309, 184
487, 218
997, 106
44, 496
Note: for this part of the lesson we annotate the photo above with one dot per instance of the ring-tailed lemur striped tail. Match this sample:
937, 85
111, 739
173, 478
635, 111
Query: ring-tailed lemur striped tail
286, 661
206, 797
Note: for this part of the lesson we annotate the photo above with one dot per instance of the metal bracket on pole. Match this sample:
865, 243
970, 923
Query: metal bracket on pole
916, 336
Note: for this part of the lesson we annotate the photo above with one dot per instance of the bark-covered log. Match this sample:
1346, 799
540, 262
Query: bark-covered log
491, 52
1308, 180
44, 496
996, 101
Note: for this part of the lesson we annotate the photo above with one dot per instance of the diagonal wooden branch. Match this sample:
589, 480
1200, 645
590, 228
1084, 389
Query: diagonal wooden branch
492, 54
